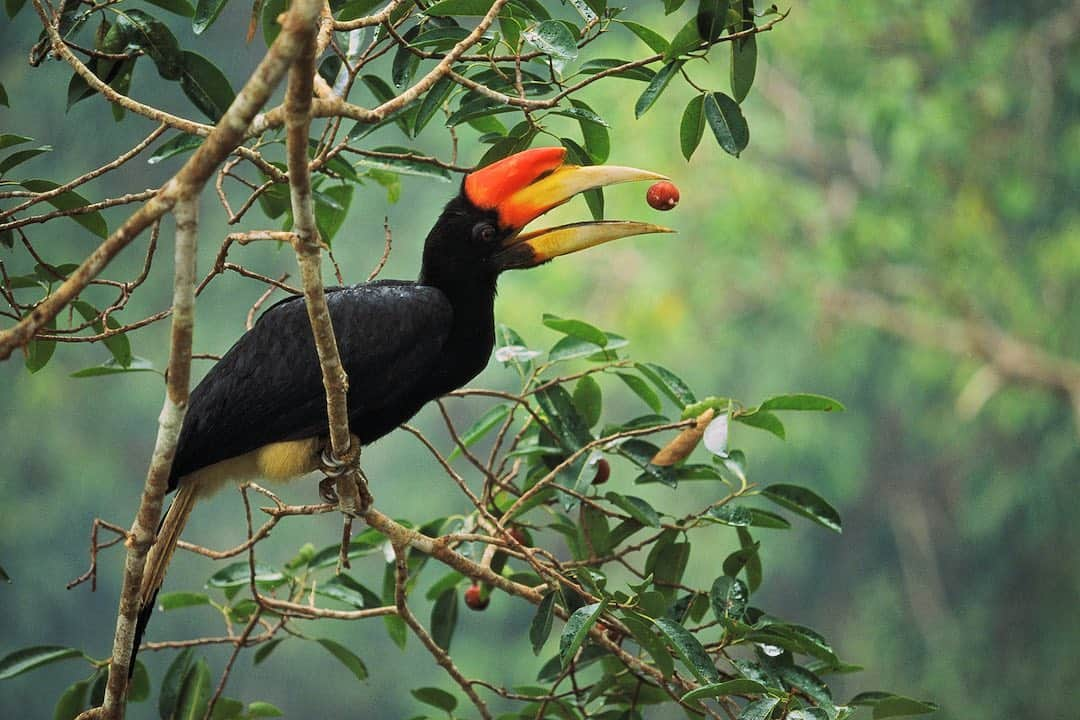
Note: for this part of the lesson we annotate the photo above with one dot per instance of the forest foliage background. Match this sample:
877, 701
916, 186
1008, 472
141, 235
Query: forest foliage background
907, 156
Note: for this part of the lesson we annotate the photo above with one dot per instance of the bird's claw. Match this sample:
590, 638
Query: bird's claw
327, 490
333, 467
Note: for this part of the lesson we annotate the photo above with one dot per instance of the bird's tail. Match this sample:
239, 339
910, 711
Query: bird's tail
159, 557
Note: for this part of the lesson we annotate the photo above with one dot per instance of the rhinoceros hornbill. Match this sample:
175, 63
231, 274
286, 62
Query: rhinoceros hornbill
261, 410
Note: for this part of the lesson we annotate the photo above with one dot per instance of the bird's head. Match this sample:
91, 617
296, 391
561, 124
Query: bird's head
486, 222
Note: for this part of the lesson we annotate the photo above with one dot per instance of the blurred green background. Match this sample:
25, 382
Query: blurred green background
925, 153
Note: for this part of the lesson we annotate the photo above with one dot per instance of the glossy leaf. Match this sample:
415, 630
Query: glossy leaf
900, 706
432, 103
759, 709
738, 686
354, 9
642, 389
183, 8
134, 29
689, 650
692, 126
728, 598
177, 600
656, 87
554, 38
765, 519
668, 382
271, 10
576, 328
263, 709
732, 515
206, 12
71, 200
743, 66
72, 701
643, 635
139, 685
237, 574
404, 164
540, 628
405, 61
647, 35
727, 123
117, 344
563, 417
345, 656
3, 92
804, 502
593, 130
764, 420
591, 67
636, 508
485, 424
446, 8
570, 348
594, 198
686, 40
112, 367
802, 401
577, 629
205, 85
331, 208
21, 156
31, 658
344, 588
711, 18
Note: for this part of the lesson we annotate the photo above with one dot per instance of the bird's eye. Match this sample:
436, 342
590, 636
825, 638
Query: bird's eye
484, 232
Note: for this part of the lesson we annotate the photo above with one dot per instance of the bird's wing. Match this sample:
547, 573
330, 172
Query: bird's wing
268, 386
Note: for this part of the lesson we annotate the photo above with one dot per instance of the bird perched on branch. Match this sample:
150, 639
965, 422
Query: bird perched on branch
261, 410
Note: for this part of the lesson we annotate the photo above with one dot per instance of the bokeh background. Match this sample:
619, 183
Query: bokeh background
911, 180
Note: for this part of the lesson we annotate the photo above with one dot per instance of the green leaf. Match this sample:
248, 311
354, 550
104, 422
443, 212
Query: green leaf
686, 40
726, 120
743, 66
405, 62
802, 401
669, 566
206, 12
650, 642
711, 18
804, 502
3, 92
540, 628
118, 344
331, 208
446, 8
689, 649
485, 424
728, 597
346, 657
270, 12
237, 575
112, 367
432, 103
177, 600
436, 698
636, 508
554, 38
139, 686
642, 390
259, 709
563, 418
593, 130
577, 629
195, 693
591, 67
172, 683
648, 36
594, 198
766, 519
576, 328
444, 615
759, 709
70, 200
72, 702
177, 145
138, 30
898, 705
358, 8
39, 352
656, 87
205, 85
692, 126
31, 658
9, 139
265, 649
180, 7
405, 165
671, 6
732, 515
588, 400
667, 382
764, 420
738, 686
227, 709
17, 158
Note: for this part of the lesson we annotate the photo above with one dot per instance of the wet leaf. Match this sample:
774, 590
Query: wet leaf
176, 145
692, 126
642, 390
404, 164
759, 709
179, 7
738, 686
540, 628
727, 123
177, 600
205, 85
594, 130
711, 18
686, 40
554, 38
134, 29
647, 35
667, 382
689, 650
432, 103
636, 508
728, 597
591, 67
732, 515
446, 8
656, 87
804, 502
237, 575
206, 12
577, 629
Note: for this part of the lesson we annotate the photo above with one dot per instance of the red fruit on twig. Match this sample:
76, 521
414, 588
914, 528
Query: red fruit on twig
475, 597
603, 472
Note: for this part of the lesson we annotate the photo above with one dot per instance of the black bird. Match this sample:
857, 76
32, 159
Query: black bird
261, 410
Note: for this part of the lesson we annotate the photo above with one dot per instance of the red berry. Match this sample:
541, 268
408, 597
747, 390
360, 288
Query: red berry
475, 597
603, 472
663, 195
518, 533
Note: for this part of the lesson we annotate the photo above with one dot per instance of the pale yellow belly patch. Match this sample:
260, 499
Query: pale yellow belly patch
279, 462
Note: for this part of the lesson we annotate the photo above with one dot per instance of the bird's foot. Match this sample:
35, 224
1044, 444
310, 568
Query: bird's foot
332, 466
328, 490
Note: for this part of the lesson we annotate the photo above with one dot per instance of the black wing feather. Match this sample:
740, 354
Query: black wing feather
268, 386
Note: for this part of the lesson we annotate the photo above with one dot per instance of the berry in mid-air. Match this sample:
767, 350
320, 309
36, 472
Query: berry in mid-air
662, 195
475, 597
